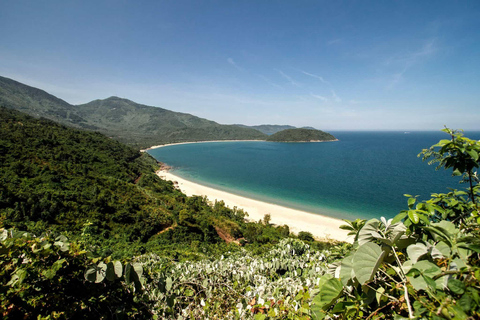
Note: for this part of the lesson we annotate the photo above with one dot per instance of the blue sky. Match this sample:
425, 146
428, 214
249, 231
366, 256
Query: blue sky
334, 65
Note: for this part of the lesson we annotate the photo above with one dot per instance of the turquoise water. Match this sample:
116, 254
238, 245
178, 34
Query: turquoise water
363, 175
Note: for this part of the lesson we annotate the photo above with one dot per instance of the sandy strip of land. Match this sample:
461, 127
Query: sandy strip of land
173, 144
321, 227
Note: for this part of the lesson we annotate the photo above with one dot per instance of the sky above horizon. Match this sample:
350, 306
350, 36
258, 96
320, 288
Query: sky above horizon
333, 65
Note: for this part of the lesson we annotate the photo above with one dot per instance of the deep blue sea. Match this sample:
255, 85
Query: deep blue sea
363, 175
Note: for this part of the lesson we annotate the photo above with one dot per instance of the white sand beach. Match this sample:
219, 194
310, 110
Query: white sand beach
178, 143
321, 227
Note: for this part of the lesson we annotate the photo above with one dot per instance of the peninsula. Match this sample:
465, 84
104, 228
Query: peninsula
301, 135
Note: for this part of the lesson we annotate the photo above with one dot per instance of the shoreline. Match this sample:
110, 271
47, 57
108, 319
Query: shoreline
190, 142
321, 227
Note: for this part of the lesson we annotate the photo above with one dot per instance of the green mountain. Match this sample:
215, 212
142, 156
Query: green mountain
124, 120
301, 135
268, 128
131, 122
38, 103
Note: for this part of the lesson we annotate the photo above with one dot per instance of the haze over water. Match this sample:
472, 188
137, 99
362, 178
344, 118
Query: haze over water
364, 175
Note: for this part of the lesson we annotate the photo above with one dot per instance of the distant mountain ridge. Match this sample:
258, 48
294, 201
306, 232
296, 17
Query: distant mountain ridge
121, 119
270, 129
124, 120
38, 103
127, 120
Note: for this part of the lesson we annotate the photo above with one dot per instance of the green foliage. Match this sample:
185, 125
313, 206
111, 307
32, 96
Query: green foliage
41, 278
64, 179
263, 232
353, 227
301, 135
305, 236
459, 154
276, 284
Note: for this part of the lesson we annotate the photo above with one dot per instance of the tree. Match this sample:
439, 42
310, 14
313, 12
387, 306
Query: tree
461, 155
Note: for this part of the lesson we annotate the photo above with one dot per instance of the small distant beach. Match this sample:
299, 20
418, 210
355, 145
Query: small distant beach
321, 227
179, 143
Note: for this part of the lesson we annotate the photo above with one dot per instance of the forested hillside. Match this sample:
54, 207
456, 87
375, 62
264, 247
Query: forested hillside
135, 124
56, 177
38, 103
143, 125
268, 128
301, 135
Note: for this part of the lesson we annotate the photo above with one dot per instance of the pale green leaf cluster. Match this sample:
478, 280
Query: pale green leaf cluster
278, 284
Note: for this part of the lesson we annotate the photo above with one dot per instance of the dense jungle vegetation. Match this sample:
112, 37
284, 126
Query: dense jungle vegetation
88, 230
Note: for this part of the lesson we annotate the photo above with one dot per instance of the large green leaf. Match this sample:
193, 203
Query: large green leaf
129, 273
415, 251
418, 283
465, 302
427, 271
443, 230
110, 275
427, 268
444, 249
399, 217
413, 216
395, 231
369, 231
324, 279
96, 273
411, 202
138, 269
473, 154
101, 272
366, 261
91, 275
346, 269
329, 292
118, 269
456, 286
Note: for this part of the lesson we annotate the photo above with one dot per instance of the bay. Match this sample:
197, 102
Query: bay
363, 175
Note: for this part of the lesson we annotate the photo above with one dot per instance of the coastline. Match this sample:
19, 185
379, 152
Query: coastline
321, 227
190, 142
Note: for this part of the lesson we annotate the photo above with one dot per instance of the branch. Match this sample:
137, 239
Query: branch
375, 312
407, 300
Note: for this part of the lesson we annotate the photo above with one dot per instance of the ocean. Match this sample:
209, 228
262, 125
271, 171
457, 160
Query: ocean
363, 175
